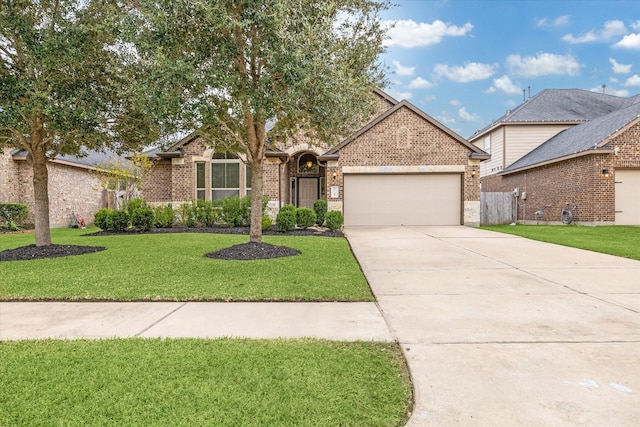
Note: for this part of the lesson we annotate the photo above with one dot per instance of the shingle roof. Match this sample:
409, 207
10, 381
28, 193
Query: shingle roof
92, 159
560, 106
580, 138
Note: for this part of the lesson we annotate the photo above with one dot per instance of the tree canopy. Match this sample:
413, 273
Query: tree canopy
225, 68
67, 84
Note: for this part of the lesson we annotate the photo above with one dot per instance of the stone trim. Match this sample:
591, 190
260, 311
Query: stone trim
404, 169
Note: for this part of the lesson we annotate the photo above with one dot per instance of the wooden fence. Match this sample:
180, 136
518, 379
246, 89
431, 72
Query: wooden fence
496, 208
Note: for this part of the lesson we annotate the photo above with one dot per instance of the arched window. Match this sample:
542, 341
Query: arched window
308, 164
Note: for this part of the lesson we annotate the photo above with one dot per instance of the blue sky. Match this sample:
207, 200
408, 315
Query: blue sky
465, 62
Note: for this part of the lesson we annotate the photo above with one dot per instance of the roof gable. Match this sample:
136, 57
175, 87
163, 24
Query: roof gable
579, 139
406, 104
559, 106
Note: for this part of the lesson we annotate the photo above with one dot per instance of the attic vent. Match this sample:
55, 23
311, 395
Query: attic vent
402, 138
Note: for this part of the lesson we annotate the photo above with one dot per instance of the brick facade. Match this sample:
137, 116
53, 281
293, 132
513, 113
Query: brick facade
70, 189
577, 182
574, 182
401, 138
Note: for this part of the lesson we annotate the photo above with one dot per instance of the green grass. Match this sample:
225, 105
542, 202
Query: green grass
623, 241
190, 382
173, 267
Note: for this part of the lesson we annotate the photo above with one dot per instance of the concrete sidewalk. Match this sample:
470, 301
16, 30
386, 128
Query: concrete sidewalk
68, 320
503, 331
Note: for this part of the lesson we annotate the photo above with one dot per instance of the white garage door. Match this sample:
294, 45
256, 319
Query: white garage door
387, 199
627, 197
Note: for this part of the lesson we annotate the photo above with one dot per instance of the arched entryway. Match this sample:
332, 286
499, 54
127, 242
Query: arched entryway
307, 180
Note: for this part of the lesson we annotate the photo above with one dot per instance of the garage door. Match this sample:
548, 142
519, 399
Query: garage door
627, 197
424, 199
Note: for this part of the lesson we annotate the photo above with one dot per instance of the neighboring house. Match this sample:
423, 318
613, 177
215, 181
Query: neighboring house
403, 167
72, 185
567, 149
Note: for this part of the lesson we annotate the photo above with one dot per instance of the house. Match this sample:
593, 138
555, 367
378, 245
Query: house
567, 149
73, 185
403, 167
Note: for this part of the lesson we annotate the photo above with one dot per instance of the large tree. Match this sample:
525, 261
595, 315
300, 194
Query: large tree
66, 85
228, 67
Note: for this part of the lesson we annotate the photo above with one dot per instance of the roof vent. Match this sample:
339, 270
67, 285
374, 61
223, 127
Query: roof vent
508, 112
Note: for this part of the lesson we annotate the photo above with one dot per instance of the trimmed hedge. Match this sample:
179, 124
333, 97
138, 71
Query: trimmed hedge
305, 217
142, 218
334, 220
12, 214
320, 208
286, 218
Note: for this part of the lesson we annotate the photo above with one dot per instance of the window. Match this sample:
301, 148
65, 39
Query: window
247, 179
200, 181
487, 144
225, 176
308, 164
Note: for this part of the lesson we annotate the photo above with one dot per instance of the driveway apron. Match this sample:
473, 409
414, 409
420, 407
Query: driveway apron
501, 330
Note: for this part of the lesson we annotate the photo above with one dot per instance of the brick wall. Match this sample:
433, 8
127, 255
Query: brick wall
549, 188
70, 189
9, 188
406, 139
156, 187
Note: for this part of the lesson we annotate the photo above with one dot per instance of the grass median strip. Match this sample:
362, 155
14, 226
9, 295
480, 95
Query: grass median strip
623, 241
173, 267
223, 382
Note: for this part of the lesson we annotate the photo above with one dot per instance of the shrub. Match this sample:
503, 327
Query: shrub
163, 216
266, 223
142, 218
232, 211
286, 219
206, 213
334, 220
134, 204
101, 218
320, 208
118, 221
305, 217
288, 208
12, 214
189, 214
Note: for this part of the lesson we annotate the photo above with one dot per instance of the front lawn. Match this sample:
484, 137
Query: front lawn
153, 267
623, 241
192, 382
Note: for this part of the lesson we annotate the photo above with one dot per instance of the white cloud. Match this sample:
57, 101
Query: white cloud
630, 41
446, 119
430, 98
455, 103
400, 95
420, 83
633, 81
558, 22
619, 68
543, 64
401, 70
621, 92
613, 80
469, 72
408, 33
636, 25
610, 30
504, 85
468, 117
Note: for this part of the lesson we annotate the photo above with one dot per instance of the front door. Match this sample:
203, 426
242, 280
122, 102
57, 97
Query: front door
307, 192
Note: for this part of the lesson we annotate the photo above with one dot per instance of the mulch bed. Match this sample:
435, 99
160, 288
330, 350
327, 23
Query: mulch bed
24, 253
242, 252
253, 250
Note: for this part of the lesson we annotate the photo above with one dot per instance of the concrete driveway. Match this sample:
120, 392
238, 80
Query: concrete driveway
503, 331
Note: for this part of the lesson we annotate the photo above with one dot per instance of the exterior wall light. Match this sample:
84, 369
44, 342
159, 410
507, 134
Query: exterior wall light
605, 173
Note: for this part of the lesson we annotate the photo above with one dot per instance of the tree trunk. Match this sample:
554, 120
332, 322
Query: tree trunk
257, 171
41, 196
